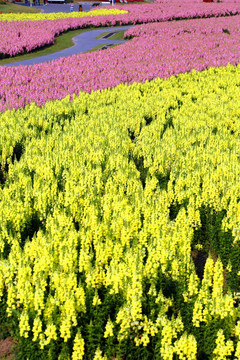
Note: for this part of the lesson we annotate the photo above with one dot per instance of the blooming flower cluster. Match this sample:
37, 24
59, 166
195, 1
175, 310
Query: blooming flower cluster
106, 200
158, 50
59, 15
27, 36
18, 36
87, 193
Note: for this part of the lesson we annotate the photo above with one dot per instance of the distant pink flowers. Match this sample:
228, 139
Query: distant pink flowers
18, 37
158, 50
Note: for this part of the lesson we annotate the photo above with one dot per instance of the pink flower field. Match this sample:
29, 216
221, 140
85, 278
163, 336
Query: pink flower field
157, 50
18, 37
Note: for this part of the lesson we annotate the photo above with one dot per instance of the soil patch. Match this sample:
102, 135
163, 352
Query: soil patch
6, 349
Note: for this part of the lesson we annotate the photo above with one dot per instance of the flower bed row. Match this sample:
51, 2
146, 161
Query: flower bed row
59, 15
194, 27
104, 202
20, 37
177, 48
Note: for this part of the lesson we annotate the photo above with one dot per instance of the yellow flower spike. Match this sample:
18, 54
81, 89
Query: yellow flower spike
51, 333
42, 341
37, 328
24, 324
186, 347
65, 328
237, 352
78, 347
109, 329
223, 349
145, 339
98, 355
96, 300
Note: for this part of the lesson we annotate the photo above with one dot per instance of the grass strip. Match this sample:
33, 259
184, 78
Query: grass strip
98, 47
117, 36
14, 8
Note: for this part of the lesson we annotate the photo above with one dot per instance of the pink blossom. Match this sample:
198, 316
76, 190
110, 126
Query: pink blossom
157, 50
18, 37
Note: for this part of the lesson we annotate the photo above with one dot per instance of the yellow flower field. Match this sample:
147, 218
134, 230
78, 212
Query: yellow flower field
58, 15
108, 204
